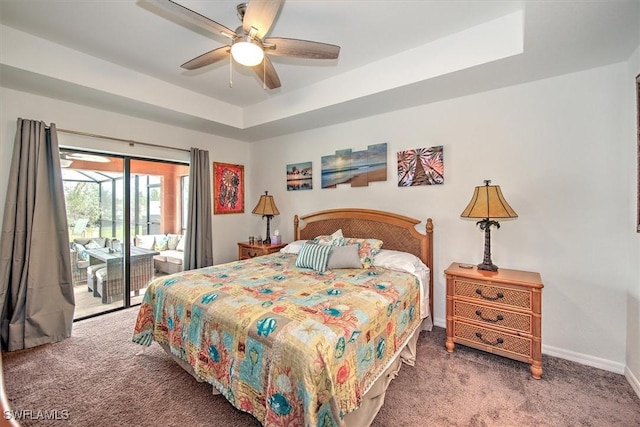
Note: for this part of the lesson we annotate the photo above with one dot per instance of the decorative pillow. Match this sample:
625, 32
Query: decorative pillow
93, 245
82, 252
161, 243
344, 257
336, 239
181, 243
368, 249
293, 247
173, 240
145, 242
314, 256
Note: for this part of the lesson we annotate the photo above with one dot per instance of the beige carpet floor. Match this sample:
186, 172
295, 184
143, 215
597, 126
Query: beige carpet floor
97, 378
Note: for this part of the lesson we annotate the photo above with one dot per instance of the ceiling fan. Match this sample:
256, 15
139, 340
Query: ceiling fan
249, 44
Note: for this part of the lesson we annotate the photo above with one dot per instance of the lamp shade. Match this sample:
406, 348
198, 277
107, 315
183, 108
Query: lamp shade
488, 202
266, 206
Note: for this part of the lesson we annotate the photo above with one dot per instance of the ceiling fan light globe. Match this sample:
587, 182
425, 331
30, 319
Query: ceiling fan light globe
247, 53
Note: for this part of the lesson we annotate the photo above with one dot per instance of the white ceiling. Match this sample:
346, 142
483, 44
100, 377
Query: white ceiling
125, 56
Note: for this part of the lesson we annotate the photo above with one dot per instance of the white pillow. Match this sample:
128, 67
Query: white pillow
398, 260
173, 241
293, 247
93, 245
181, 243
146, 241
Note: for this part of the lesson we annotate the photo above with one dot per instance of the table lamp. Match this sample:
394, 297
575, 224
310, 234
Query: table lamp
488, 203
267, 208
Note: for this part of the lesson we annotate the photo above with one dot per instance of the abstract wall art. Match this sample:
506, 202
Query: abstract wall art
422, 166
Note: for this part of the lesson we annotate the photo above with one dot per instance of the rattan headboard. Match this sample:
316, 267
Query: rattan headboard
396, 231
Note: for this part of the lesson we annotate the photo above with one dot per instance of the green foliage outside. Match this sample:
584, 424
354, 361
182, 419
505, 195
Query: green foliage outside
83, 201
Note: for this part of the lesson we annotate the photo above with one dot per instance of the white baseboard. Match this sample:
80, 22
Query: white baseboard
633, 380
584, 359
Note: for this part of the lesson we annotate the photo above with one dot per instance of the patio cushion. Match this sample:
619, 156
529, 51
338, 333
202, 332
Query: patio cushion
93, 269
174, 257
101, 274
145, 241
174, 239
181, 243
83, 264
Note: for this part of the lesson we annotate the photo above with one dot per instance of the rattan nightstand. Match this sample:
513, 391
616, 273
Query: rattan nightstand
248, 250
496, 311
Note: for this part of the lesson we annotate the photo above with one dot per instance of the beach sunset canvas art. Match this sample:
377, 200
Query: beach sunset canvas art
422, 166
357, 168
299, 176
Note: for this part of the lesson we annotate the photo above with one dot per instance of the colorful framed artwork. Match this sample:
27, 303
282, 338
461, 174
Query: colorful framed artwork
422, 166
228, 188
300, 176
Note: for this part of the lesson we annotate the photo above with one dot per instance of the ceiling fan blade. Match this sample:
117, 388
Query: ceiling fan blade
260, 15
194, 17
207, 58
84, 157
301, 48
267, 74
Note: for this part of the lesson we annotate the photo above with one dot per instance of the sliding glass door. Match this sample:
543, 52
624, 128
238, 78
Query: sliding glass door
156, 221
112, 263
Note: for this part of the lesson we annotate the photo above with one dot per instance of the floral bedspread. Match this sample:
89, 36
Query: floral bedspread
291, 346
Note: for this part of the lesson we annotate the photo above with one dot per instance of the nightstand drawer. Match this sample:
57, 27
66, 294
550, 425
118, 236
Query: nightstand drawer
490, 340
249, 252
502, 318
492, 294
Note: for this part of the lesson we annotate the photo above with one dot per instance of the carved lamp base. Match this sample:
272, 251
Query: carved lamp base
488, 267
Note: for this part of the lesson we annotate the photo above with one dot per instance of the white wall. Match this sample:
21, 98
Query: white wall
633, 296
559, 148
556, 147
227, 229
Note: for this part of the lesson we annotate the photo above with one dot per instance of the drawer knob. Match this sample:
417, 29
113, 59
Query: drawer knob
497, 342
486, 319
497, 297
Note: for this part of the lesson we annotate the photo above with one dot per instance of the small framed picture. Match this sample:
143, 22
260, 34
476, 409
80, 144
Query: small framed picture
228, 188
299, 176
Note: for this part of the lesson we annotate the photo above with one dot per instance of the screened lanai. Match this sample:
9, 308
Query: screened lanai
95, 196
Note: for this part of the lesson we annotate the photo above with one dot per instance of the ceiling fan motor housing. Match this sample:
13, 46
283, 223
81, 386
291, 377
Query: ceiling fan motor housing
241, 9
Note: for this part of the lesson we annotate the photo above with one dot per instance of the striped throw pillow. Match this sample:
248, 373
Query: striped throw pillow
314, 256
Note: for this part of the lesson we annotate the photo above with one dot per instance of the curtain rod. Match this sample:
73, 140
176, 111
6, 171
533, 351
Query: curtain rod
131, 142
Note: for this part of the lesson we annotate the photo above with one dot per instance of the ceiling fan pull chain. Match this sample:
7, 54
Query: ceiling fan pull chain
264, 75
230, 71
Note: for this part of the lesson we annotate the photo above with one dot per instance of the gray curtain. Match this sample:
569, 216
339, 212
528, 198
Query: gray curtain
35, 269
198, 250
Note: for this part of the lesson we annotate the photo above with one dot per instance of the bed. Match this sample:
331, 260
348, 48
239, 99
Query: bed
295, 344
